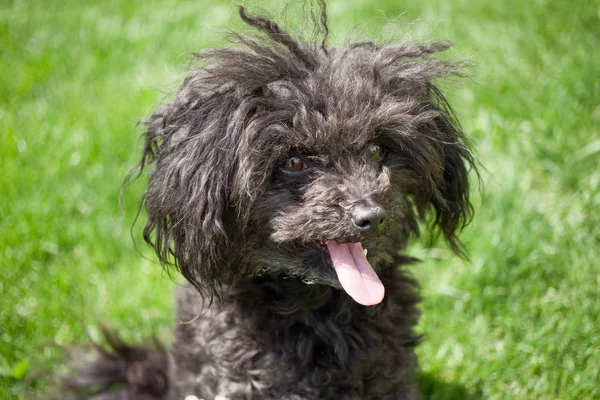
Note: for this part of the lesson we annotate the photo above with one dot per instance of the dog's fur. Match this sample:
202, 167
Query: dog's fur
264, 316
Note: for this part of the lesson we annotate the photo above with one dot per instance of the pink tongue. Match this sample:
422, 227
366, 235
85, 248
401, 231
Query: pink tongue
355, 273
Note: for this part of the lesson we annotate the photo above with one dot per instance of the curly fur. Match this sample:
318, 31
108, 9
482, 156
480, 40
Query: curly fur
248, 236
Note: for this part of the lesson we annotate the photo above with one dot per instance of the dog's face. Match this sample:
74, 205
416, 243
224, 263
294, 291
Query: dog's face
332, 197
291, 160
341, 181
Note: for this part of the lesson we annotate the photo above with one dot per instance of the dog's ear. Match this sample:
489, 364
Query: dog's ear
438, 151
450, 198
191, 142
205, 171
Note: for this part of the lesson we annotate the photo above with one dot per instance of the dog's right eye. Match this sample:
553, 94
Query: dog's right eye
294, 164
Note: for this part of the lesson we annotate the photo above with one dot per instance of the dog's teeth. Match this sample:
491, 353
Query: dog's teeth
365, 250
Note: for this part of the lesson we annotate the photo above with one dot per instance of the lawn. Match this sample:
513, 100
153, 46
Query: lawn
519, 320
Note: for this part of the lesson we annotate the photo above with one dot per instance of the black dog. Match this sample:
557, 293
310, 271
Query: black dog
275, 168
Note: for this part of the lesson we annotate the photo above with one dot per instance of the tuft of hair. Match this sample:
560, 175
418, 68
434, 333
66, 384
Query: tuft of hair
119, 371
204, 174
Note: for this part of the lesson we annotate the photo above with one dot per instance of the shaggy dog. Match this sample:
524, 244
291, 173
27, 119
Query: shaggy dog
285, 178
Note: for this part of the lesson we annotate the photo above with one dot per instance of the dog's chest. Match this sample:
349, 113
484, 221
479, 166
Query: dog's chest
308, 358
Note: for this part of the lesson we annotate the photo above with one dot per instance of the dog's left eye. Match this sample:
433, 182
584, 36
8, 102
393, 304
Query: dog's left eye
375, 151
294, 164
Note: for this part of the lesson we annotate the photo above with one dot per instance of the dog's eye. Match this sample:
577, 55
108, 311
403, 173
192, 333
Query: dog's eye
375, 151
294, 164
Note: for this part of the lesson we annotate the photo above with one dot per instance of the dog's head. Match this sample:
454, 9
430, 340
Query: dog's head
280, 157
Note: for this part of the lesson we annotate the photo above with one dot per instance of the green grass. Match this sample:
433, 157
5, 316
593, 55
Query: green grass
520, 320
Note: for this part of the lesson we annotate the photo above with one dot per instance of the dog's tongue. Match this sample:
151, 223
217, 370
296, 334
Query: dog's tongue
355, 274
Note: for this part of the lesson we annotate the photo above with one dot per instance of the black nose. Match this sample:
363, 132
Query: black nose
368, 217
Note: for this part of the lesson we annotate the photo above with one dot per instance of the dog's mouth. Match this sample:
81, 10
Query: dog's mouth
354, 272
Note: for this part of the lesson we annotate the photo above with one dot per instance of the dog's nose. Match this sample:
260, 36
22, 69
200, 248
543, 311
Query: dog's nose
368, 217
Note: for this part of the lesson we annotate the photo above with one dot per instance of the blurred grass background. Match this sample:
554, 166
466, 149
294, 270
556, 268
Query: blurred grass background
520, 320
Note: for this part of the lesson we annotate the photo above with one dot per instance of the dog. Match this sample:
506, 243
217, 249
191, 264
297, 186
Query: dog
285, 178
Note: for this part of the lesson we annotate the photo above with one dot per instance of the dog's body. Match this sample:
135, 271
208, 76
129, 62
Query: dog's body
273, 167
260, 344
